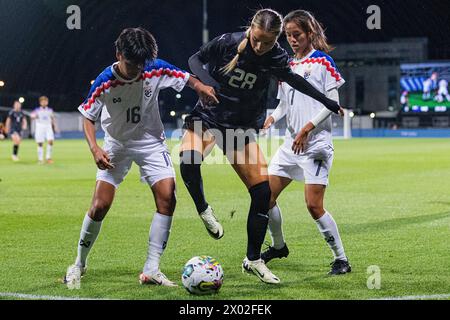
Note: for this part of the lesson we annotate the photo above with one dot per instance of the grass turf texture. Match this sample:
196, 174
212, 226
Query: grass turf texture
390, 199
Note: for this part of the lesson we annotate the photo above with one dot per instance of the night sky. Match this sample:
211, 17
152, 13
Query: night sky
39, 55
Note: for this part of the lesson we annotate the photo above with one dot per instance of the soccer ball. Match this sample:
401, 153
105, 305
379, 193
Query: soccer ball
202, 275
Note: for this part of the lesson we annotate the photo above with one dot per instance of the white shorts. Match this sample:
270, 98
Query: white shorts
313, 167
43, 134
153, 159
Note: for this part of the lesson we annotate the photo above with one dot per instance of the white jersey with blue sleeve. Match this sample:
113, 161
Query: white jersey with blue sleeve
320, 70
313, 165
128, 109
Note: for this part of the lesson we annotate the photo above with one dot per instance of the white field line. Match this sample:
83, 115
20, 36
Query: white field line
16, 295
423, 297
45, 297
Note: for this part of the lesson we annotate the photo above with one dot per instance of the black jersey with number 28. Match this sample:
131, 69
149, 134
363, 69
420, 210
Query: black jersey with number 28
242, 93
16, 120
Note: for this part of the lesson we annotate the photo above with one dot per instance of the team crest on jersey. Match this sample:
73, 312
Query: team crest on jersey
148, 92
308, 71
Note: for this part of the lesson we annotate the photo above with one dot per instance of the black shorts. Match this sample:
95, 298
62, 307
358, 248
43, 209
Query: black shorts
15, 131
227, 139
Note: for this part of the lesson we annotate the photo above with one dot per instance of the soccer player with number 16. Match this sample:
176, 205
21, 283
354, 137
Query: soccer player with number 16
125, 99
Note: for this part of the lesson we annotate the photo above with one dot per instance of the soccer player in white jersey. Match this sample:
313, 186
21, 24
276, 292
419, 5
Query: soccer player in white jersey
124, 98
45, 124
307, 152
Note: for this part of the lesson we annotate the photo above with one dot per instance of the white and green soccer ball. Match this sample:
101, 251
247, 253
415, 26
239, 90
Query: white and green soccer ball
202, 275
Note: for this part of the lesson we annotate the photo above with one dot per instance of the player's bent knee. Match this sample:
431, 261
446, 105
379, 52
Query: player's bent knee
272, 203
273, 200
315, 209
166, 205
99, 210
190, 157
260, 195
190, 165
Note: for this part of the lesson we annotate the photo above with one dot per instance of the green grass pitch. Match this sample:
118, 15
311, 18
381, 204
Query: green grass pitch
390, 198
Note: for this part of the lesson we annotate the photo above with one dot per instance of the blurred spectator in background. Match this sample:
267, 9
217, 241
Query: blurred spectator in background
428, 86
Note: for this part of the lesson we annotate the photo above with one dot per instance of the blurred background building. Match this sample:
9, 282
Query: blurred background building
385, 69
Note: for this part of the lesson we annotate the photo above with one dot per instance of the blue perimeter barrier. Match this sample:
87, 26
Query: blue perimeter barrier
401, 133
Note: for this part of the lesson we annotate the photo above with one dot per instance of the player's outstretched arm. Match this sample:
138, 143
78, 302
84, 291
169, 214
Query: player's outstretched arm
33, 115
299, 83
197, 67
299, 144
206, 93
8, 125
101, 158
24, 124
54, 126
278, 114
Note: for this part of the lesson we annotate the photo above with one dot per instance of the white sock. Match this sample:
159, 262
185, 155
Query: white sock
328, 228
88, 234
159, 235
40, 151
275, 227
49, 152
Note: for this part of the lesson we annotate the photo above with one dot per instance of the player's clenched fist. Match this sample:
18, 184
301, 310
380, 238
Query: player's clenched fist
206, 94
268, 123
102, 159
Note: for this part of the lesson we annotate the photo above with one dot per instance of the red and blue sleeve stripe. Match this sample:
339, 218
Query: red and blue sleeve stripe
160, 68
327, 61
103, 81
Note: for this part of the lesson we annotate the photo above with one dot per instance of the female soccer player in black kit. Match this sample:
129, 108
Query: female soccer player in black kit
239, 66
15, 123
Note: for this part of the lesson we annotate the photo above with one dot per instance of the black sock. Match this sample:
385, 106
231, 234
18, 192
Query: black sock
190, 172
15, 149
258, 219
